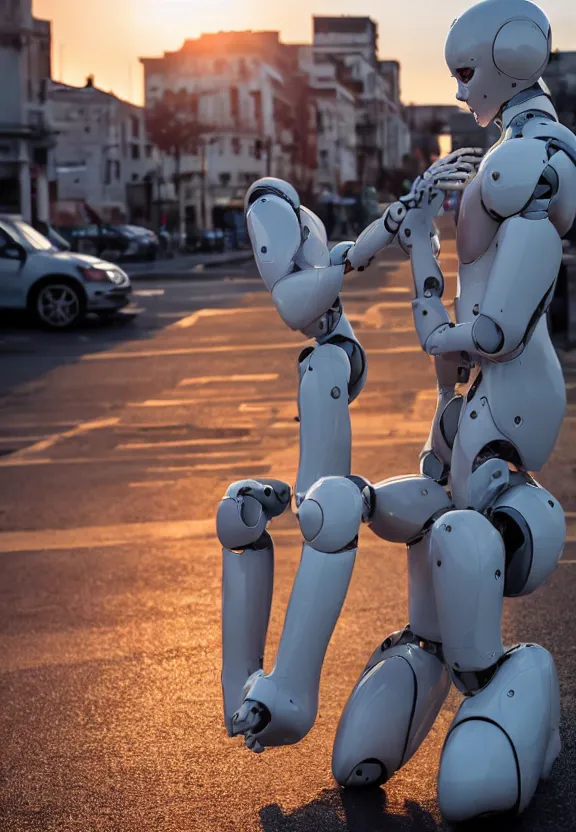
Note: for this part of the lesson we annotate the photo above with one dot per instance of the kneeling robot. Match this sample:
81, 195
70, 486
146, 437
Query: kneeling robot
476, 524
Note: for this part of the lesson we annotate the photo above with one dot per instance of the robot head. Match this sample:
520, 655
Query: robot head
271, 185
495, 50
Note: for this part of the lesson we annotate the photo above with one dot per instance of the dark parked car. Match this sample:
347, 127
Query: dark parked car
113, 242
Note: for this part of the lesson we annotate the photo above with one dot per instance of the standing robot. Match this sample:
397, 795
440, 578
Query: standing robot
503, 534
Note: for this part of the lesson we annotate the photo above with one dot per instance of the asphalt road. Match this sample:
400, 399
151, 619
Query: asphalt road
116, 443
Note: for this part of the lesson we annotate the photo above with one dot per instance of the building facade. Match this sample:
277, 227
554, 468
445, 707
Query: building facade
26, 135
252, 111
382, 138
102, 151
560, 76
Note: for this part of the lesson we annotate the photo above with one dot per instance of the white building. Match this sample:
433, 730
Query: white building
336, 113
102, 149
382, 137
25, 131
252, 114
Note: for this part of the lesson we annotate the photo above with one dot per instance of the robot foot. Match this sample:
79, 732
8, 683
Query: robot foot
503, 740
390, 711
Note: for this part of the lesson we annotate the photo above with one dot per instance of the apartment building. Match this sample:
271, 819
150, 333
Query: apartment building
26, 135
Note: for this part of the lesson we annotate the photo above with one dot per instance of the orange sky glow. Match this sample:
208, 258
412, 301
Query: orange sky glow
106, 37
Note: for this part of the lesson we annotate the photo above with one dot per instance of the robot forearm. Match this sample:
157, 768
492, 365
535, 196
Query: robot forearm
378, 236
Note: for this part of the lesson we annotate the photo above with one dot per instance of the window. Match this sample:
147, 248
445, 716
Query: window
148, 151
118, 169
234, 103
242, 69
135, 127
257, 97
135, 151
225, 179
236, 146
257, 149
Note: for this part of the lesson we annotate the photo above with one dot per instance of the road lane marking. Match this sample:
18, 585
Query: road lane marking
88, 537
176, 443
149, 293
152, 483
211, 313
84, 427
236, 348
15, 461
233, 378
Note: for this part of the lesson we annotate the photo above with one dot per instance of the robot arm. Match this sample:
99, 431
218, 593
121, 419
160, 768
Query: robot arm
301, 295
516, 190
449, 173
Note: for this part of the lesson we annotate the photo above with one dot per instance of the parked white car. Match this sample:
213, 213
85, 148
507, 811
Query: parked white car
57, 287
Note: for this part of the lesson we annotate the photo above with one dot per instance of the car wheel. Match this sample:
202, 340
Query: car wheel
58, 304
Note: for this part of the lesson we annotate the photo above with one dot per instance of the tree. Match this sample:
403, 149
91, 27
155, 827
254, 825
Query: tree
174, 127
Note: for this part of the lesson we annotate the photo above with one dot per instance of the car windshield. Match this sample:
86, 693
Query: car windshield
29, 237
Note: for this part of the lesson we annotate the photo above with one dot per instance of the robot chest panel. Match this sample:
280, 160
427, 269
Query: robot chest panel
476, 228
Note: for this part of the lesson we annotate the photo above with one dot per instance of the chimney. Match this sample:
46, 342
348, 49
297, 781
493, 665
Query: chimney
89, 82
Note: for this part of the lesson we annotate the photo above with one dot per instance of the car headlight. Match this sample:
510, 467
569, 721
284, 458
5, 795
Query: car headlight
93, 275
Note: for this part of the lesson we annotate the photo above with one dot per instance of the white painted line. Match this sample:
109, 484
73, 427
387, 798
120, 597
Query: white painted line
176, 443
16, 461
235, 348
253, 408
89, 537
84, 427
225, 379
149, 293
211, 313
151, 483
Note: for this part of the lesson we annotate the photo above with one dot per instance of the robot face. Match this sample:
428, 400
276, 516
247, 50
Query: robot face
495, 50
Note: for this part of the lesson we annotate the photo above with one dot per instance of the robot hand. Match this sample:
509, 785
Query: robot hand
451, 173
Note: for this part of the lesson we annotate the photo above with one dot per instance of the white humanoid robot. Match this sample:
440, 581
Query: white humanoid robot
503, 534
494, 532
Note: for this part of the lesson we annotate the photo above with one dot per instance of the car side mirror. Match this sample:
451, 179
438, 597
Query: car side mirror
13, 251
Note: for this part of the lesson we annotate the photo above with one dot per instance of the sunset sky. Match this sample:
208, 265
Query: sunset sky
106, 37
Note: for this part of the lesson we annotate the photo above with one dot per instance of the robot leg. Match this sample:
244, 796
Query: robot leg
325, 430
390, 711
247, 578
503, 740
402, 688
280, 708
505, 735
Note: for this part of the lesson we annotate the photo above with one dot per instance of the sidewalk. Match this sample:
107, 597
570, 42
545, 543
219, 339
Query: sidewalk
184, 265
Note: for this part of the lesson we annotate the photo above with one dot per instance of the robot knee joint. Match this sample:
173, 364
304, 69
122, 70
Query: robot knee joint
330, 514
533, 528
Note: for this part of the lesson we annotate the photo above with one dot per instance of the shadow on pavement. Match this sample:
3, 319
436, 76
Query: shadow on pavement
339, 810
27, 351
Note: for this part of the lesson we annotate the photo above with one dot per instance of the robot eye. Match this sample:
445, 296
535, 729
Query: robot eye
465, 74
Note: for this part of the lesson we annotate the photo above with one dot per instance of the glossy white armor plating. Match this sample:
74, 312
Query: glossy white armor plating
495, 50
